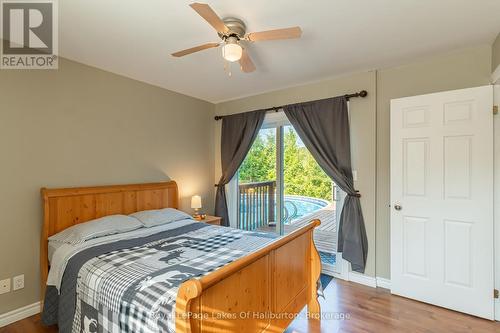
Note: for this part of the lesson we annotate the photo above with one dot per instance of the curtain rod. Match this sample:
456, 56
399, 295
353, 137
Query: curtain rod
362, 93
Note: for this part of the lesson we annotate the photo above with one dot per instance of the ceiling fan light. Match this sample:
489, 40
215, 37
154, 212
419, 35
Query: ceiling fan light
232, 51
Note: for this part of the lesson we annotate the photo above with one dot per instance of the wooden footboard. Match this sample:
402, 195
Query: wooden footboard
261, 292
257, 293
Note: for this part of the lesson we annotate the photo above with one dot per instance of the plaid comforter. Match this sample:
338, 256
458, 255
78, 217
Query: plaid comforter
131, 285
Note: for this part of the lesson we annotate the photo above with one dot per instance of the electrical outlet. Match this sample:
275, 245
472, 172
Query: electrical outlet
18, 282
4, 286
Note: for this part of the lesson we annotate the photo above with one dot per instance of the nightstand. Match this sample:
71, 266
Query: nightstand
214, 220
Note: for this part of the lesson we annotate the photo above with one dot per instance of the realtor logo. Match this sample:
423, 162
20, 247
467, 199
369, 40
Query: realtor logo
29, 34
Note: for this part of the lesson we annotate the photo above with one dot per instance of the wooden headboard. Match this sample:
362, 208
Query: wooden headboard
65, 207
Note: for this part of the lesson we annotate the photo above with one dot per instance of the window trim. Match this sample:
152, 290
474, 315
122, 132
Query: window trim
275, 119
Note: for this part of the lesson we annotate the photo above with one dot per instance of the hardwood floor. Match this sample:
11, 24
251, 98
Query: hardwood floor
31, 325
366, 310
376, 310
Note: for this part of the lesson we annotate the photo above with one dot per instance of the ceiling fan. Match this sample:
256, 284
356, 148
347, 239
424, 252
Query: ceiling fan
232, 31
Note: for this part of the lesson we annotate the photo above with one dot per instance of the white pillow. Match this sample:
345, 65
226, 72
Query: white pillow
104, 226
151, 218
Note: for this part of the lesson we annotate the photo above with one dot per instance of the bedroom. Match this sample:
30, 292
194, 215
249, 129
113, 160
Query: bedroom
119, 109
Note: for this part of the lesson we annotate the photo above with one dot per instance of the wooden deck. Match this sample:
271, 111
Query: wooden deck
325, 236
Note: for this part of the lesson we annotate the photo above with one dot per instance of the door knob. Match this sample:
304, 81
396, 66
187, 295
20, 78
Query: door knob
397, 207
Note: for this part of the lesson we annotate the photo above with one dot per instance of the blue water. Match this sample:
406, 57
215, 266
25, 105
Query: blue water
298, 206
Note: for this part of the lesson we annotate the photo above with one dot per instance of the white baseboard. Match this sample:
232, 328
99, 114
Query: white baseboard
344, 272
366, 280
383, 283
369, 281
18, 314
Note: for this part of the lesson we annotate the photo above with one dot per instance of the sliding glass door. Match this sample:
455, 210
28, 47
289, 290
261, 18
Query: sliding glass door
306, 186
308, 194
257, 185
281, 188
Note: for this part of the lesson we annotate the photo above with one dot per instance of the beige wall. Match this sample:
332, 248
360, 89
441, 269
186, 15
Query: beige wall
82, 126
495, 54
370, 125
363, 120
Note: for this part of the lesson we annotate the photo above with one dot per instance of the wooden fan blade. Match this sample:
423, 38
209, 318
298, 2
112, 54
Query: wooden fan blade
287, 33
246, 63
195, 49
210, 16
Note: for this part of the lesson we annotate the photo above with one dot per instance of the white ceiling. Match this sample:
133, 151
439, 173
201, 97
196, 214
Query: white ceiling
135, 39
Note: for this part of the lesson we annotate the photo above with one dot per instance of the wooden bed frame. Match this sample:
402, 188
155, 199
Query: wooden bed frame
260, 292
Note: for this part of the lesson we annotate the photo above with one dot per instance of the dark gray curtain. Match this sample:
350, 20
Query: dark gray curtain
323, 126
238, 134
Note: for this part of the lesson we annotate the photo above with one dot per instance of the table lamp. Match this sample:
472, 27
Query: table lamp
196, 205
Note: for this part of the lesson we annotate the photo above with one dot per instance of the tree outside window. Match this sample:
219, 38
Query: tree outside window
302, 175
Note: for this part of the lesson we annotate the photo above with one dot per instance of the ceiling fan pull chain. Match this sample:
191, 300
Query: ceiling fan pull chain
227, 67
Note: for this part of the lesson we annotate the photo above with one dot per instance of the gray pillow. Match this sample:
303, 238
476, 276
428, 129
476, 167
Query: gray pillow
151, 218
104, 226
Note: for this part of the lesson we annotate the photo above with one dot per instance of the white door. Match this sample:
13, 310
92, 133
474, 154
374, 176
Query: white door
442, 199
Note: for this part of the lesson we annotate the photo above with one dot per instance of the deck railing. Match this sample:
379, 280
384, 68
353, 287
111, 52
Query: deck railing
256, 205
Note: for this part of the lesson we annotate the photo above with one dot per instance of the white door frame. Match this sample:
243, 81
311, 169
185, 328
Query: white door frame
232, 201
496, 206
278, 120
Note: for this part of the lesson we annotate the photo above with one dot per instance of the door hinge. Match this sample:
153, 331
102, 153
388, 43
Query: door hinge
495, 293
495, 109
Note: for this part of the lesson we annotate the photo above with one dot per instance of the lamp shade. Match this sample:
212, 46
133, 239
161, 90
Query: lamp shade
196, 202
232, 51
